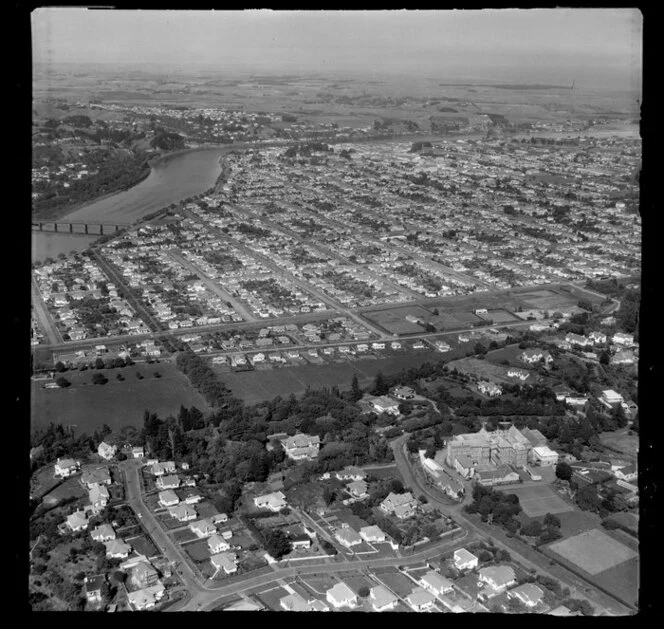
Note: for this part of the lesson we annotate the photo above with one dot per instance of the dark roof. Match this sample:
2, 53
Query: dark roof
95, 582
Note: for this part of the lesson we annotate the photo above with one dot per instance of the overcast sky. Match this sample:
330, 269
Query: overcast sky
596, 45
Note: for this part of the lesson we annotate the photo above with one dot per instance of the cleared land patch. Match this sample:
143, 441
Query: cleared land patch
593, 551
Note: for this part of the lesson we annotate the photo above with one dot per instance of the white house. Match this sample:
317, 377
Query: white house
383, 404
147, 597
169, 481
489, 388
498, 578
528, 593
435, 583
168, 498
275, 501
341, 596
117, 549
66, 467
225, 561
301, 447
382, 599
217, 544
102, 533
402, 505
358, 489
137, 452
203, 528
621, 338
182, 512
420, 600
465, 560
165, 467
347, 536
610, 398
372, 534
77, 521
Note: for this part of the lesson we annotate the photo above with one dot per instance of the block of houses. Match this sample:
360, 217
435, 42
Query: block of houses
77, 521
182, 512
275, 501
301, 447
358, 489
93, 586
203, 528
465, 560
628, 473
137, 452
351, 472
106, 451
341, 596
168, 481
383, 404
168, 498
497, 578
528, 593
66, 467
382, 599
577, 339
102, 533
225, 561
217, 544
543, 456
165, 467
117, 549
489, 388
96, 476
401, 505
435, 583
147, 597
420, 600
518, 373
347, 536
143, 575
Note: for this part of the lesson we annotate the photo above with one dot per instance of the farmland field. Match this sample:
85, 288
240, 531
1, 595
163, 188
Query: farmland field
538, 500
257, 386
116, 403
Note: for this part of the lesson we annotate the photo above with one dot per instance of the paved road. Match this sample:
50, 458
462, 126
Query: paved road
579, 588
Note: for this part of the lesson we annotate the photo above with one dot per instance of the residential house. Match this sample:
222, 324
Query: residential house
203, 528
518, 373
610, 398
489, 388
382, 599
358, 489
420, 600
532, 356
189, 495
182, 512
117, 549
137, 452
147, 597
275, 501
347, 536
96, 476
99, 497
577, 339
106, 451
225, 561
168, 498
465, 560
217, 544
102, 533
301, 447
528, 593
597, 337
403, 393
402, 505
165, 467
300, 541
66, 467
498, 578
435, 583
77, 521
93, 586
169, 481
294, 602
143, 575
383, 404
621, 338
341, 596
628, 473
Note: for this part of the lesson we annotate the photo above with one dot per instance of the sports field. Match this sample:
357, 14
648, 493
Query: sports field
538, 500
593, 551
394, 320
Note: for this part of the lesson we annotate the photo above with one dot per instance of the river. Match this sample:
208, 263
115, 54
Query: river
171, 180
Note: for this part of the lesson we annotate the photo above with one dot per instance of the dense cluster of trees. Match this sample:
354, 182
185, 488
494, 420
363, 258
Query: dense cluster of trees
495, 507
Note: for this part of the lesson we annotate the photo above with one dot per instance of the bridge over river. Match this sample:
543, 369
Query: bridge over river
78, 227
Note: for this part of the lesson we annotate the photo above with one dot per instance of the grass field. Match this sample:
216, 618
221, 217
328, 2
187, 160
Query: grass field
198, 551
538, 500
486, 370
257, 386
593, 551
394, 320
116, 403
501, 316
621, 441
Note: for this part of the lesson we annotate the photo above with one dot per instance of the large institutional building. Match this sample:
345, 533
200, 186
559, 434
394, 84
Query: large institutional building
472, 452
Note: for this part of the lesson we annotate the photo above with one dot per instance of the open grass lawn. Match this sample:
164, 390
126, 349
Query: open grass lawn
270, 597
116, 403
576, 521
538, 500
69, 488
184, 535
622, 442
401, 585
257, 386
394, 320
198, 551
485, 369
142, 545
500, 315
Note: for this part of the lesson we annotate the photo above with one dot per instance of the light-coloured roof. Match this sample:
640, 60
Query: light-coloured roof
341, 592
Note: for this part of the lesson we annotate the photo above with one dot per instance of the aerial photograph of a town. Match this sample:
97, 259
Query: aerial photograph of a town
335, 311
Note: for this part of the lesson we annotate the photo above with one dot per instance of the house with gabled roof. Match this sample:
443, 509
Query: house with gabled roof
77, 521
341, 596
372, 534
64, 468
99, 497
347, 536
143, 575
528, 593
106, 451
420, 600
435, 583
275, 501
93, 586
217, 544
351, 472
168, 481
382, 599
96, 476
117, 549
168, 498
182, 512
225, 561
401, 505
497, 578
102, 533
203, 528
164, 467
147, 597
301, 447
